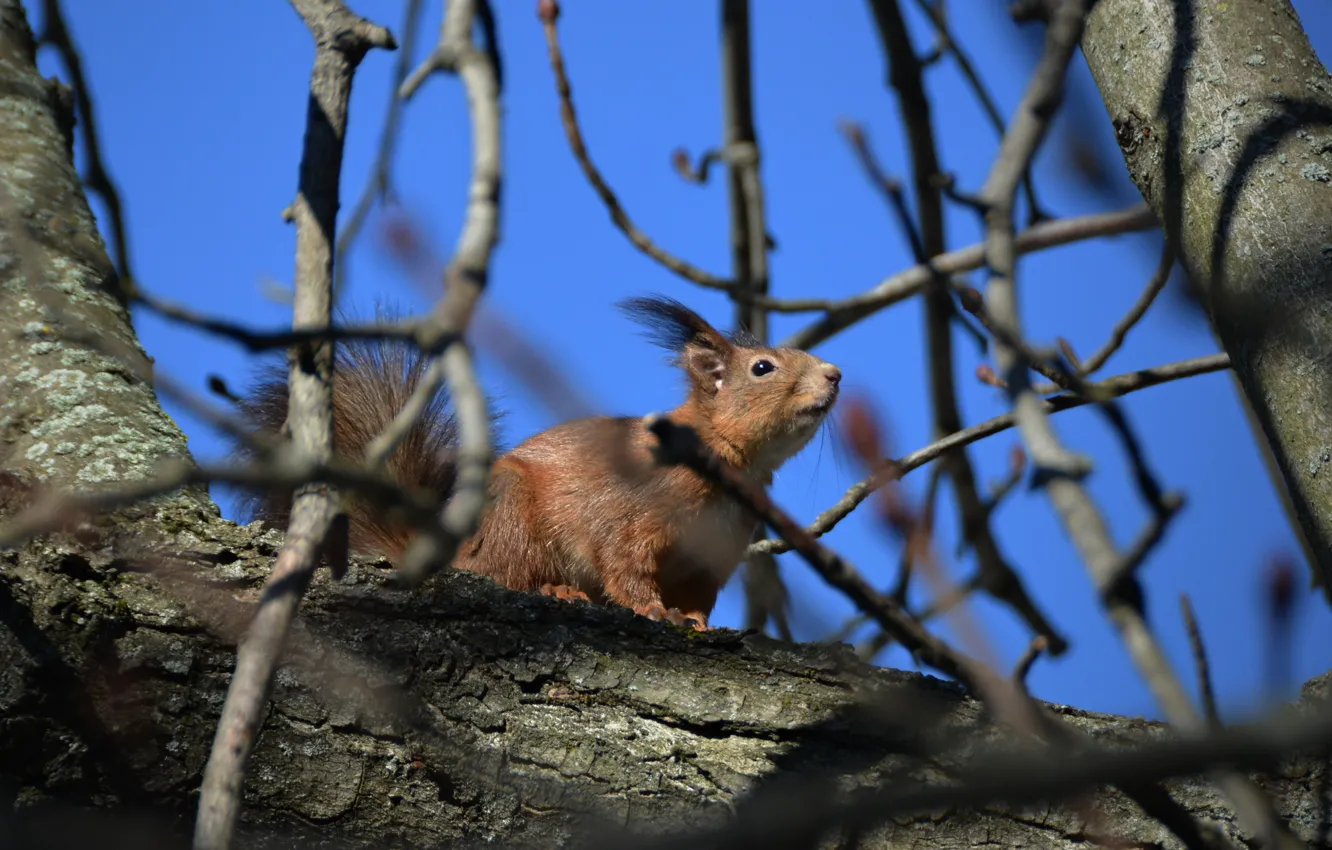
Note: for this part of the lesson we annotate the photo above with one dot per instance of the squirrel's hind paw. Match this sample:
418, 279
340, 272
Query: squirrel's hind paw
568, 593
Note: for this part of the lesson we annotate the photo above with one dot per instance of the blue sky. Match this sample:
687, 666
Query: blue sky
202, 107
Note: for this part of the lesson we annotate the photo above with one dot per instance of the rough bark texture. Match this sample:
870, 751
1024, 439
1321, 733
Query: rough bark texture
1224, 115
535, 716
71, 413
452, 716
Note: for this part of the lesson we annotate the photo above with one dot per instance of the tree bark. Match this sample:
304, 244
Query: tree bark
1224, 116
77, 407
466, 713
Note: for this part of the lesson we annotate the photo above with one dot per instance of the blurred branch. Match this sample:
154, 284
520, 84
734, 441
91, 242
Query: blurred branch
549, 12
996, 576
379, 187
1119, 385
56, 33
946, 43
1205, 689
465, 280
318, 527
890, 188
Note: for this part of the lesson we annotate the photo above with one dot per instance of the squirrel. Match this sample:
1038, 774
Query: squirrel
582, 510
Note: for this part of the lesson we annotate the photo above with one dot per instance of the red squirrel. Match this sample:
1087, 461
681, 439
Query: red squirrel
582, 510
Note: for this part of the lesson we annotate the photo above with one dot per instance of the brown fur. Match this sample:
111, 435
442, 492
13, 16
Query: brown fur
371, 383
582, 509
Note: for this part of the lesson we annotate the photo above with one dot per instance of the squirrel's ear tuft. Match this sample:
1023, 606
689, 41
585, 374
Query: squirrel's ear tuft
700, 348
672, 325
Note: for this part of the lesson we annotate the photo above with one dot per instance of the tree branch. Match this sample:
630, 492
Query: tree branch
549, 11
1119, 385
846, 312
342, 39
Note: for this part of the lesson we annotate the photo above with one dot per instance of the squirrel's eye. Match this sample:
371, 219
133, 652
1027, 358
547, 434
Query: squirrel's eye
761, 368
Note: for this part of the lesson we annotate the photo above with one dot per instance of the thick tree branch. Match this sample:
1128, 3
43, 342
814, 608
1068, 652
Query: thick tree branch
56, 33
539, 718
1251, 213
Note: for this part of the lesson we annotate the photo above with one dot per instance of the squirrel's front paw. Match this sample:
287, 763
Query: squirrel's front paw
657, 611
568, 593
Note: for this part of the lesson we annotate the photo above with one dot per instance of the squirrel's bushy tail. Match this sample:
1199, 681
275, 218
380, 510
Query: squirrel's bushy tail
372, 380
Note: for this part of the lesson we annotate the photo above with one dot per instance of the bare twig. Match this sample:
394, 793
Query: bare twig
465, 279
1119, 385
1028, 660
412, 330
1058, 469
946, 43
315, 509
846, 312
1200, 661
1139, 309
749, 228
56, 34
996, 576
549, 11
380, 185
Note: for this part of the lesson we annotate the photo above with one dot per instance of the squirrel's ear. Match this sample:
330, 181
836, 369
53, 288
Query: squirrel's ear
702, 350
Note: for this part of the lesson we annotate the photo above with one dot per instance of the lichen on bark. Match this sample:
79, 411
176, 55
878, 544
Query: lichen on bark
77, 407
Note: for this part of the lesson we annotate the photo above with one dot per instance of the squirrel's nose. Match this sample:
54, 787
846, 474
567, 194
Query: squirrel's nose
832, 373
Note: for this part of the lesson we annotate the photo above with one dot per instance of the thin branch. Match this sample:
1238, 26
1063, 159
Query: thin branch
1200, 661
843, 313
1119, 385
380, 185
679, 445
766, 596
1139, 309
748, 218
1058, 469
465, 279
997, 576
1022, 669
549, 11
948, 44
315, 509
56, 34
416, 331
